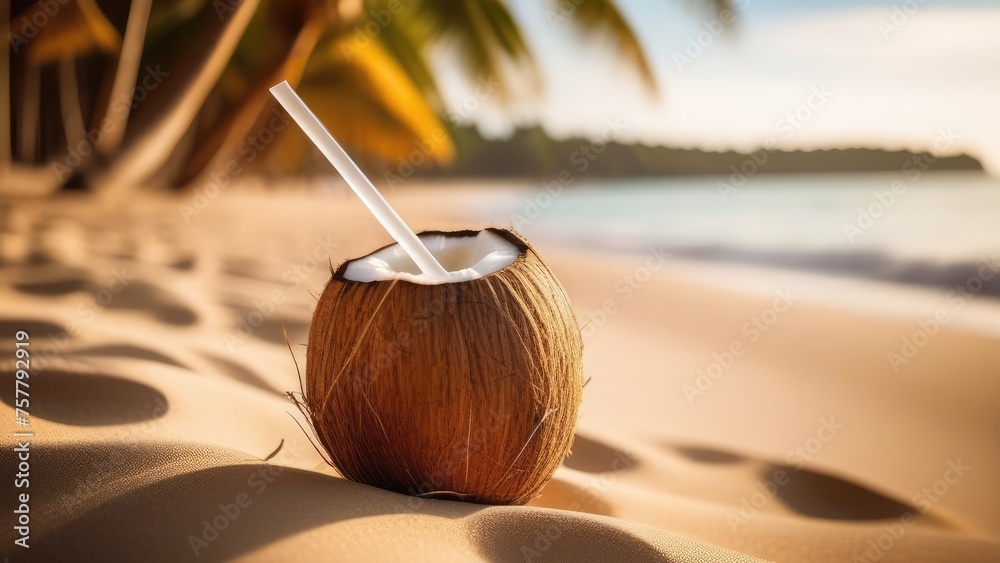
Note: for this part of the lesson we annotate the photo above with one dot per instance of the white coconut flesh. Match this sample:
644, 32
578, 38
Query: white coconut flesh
464, 257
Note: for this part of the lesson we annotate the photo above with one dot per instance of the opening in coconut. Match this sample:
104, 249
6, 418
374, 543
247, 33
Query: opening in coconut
467, 255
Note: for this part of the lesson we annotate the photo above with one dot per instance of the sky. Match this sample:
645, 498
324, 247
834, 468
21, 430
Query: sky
919, 75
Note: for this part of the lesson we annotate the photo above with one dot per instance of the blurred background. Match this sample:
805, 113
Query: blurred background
755, 131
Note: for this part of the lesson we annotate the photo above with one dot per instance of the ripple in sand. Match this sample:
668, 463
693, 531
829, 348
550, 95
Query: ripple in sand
183, 264
595, 457
250, 268
143, 296
708, 455
36, 329
52, 288
270, 330
823, 496
89, 399
240, 373
564, 495
127, 351
516, 535
38, 258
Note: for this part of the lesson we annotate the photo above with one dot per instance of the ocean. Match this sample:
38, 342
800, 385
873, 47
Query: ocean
929, 229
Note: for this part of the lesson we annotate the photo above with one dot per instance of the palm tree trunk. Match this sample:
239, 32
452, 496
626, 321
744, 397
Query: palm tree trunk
69, 102
234, 129
189, 86
125, 76
29, 113
5, 141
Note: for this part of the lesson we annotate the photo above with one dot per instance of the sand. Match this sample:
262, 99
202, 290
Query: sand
159, 371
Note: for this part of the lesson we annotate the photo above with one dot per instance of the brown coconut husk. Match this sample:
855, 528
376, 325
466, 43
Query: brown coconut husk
465, 391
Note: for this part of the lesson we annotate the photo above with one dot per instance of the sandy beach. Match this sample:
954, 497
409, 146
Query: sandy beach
733, 413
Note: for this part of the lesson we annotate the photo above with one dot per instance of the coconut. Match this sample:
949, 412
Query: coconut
465, 386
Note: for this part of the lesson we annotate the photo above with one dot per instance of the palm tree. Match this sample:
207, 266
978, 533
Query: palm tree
171, 91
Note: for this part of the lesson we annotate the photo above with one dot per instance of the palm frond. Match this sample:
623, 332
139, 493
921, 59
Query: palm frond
602, 17
81, 28
404, 39
368, 101
484, 34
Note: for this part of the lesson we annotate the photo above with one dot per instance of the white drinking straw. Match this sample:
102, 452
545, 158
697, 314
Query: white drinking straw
360, 183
